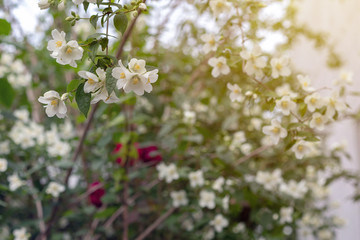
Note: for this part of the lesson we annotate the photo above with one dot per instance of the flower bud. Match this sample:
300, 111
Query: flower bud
142, 6
65, 96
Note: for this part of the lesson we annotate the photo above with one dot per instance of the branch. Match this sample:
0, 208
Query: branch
253, 154
127, 34
153, 226
39, 211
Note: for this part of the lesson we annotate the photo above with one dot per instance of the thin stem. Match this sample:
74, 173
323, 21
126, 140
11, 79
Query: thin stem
153, 226
39, 211
253, 154
127, 34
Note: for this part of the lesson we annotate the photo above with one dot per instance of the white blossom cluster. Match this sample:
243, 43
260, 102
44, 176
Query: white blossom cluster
14, 71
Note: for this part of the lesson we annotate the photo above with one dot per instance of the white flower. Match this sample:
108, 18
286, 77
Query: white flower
188, 225
238, 228
285, 90
286, 105
54, 189
294, 189
318, 190
313, 102
169, 173
210, 42
209, 234
301, 149
69, 53
5, 147
235, 94
254, 61
219, 223
22, 114
219, 66
55, 106
56, 43
179, 198
345, 78
77, 2
136, 79
218, 184
270, 181
21, 234
333, 105
339, 222
196, 178
219, 6
286, 214
325, 234
225, 202
318, 121
43, 4
3, 164
280, 67
142, 6
305, 83
207, 199
189, 117
275, 131
96, 84
15, 182
59, 148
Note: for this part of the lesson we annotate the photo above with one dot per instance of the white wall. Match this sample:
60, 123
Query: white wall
341, 20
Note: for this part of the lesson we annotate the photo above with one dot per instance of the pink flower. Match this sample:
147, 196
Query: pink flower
146, 154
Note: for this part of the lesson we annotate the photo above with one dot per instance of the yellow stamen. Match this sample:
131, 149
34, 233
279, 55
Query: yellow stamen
219, 64
148, 81
276, 130
313, 100
285, 104
300, 148
69, 50
137, 67
91, 81
135, 80
122, 75
318, 120
236, 91
58, 44
278, 66
54, 102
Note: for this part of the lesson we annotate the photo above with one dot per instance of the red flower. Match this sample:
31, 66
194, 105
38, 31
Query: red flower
146, 154
95, 196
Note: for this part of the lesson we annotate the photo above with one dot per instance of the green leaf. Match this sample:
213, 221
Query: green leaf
73, 85
93, 20
121, 22
93, 50
110, 81
83, 99
5, 27
104, 43
7, 93
105, 213
86, 6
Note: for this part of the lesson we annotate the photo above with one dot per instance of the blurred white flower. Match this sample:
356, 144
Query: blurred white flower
285, 90
218, 184
314, 101
219, 66
196, 178
142, 6
55, 106
169, 173
189, 117
54, 189
286, 105
179, 198
294, 189
219, 6
188, 225
3, 164
305, 83
209, 234
275, 131
211, 42
318, 121
207, 199
5, 147
286, 214
333, 105
301, 148
235, 94
254, 61
270, 181
21, 234
238, 228
15, 182
280, 67
22, 114
225, 202
43, 4
325, 234
345, 78
219, 223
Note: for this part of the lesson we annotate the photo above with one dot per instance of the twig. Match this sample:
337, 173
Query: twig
39, 211
253, 154
127, 34
153, 226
